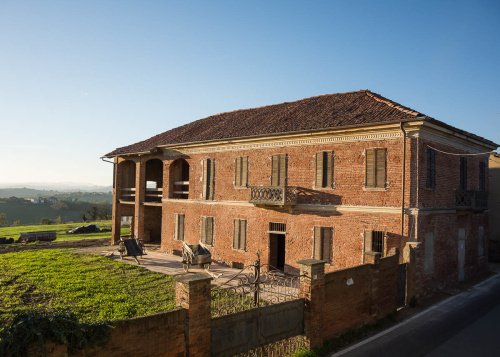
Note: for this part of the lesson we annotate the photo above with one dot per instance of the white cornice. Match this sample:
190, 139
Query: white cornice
312, 139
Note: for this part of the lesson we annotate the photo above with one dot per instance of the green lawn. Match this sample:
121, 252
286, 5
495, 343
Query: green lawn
93, 288
61, 229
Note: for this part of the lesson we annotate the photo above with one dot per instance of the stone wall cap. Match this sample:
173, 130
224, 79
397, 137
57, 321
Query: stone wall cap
310, 262
186, 278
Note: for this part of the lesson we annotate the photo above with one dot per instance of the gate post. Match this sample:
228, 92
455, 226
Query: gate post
312, 290
192, 292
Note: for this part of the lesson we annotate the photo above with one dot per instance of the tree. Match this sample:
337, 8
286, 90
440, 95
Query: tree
17, 222
46, 221
3, 219
58, 220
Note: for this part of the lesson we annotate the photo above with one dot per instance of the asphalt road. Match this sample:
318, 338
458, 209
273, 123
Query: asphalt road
467, 324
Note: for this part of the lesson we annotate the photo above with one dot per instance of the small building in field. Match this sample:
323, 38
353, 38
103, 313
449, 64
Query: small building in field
339, 177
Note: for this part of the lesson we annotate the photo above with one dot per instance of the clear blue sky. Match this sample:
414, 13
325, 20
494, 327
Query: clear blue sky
79, 78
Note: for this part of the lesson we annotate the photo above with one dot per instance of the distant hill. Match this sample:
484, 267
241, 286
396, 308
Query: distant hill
57, 186
81, 196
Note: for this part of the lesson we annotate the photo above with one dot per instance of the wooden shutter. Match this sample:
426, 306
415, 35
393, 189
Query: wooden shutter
244, 171
275, 174
179, 227
368, 241
370, 168
319, 169
482, 176
207, 230
237, 171
236, 234
431, 168
317, 246
203, 229
326, 243
205, 179
243, 234
463, 173
329, 169
212, 179
176, 226
380, 164
283, 169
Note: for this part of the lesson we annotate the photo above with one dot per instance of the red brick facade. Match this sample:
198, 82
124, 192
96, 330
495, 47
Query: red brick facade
349, 207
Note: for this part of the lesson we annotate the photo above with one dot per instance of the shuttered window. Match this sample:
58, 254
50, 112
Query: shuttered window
179, 226
240, 234
431, 168
208, 179
374, 241
324, 169
482, 176
279, 170
207, 230
375, 168
463, 173
241, 171
323, 238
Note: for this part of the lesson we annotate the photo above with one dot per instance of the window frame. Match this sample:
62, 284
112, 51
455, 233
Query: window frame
325, 239
239, 238
376, 186
324, 162
177, 226
241, 172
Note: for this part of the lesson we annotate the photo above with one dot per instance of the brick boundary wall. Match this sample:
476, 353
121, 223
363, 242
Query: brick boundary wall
333, 303
158, 335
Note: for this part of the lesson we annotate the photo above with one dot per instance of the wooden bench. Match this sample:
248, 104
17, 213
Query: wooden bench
46, 236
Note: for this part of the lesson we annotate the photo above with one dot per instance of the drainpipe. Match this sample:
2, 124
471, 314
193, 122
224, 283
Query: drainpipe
403, 182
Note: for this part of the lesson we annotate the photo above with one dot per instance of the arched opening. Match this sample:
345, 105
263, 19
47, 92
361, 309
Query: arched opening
179, 179
127, 180
154, 180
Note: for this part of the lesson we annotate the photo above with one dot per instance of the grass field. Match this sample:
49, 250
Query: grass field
61, 229
93, 288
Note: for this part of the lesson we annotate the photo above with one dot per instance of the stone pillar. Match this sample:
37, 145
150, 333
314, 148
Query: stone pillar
140, 191
312, 290
115, 213
192, 292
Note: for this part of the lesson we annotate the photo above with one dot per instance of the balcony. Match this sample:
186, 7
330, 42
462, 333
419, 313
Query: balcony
471, 200
153, 195
127, 194
274, 195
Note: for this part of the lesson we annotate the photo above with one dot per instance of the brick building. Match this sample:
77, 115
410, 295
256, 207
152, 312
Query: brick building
337, 177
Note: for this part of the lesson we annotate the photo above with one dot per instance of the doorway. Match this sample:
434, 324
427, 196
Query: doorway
277, 251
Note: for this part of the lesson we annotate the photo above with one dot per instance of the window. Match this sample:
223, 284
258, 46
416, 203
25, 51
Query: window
208, 179
375, 168
463, 173
241, 172
324, 169
279, 170
374, 241
240, 234
482, 176
322, 248
276, 227
431, 168
207, 230
179, 227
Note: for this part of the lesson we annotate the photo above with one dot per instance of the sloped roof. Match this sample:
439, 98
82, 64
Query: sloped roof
329, 111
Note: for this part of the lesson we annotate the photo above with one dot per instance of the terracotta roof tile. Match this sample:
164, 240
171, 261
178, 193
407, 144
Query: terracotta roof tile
328, 111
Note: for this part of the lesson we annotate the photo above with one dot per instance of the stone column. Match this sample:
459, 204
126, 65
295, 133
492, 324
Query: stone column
116, 214
312, 290
192, 292
140, 191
